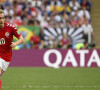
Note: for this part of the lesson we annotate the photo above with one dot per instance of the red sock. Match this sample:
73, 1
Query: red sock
0, 84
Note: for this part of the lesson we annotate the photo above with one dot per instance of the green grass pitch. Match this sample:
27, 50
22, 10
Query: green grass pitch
51, 79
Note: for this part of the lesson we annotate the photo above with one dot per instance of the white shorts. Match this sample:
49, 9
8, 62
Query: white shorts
3, 65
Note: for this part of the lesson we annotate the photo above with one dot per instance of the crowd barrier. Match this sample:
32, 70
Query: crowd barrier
55, 58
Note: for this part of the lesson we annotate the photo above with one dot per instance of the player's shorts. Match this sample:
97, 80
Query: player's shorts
3, 65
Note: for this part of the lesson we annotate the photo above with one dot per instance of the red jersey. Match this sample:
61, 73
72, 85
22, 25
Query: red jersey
6, 37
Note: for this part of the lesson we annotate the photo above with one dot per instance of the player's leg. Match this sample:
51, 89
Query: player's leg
1, 73
3, 67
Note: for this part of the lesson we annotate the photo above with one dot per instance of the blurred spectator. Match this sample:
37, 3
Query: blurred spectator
16, 20
57, 17
88, 33
35, 40
55, 45
44, 22
76, 26
50, 42
7, 18
73, 21
84, 13
1, 6
67, 24
36, 23
41, 35
53, 22
64, 42
56, 8
9, 11
35, 3
75, 11
87, 4
7, 3
30, 22
42, 45
66, 8
58, 2
65, 16
74, 3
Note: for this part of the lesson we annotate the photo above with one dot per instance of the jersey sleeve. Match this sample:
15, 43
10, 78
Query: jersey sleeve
15, 32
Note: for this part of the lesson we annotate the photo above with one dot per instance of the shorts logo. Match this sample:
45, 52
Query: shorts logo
7, 34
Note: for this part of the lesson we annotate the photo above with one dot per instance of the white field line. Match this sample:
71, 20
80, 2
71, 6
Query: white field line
51, 86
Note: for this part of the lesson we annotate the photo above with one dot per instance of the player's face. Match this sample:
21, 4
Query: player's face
2, 20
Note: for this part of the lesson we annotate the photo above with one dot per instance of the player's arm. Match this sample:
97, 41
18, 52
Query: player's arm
19, 41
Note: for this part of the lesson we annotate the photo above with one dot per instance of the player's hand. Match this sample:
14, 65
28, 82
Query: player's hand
13, 44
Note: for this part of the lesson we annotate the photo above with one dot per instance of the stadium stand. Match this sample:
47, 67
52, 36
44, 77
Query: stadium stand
54, 18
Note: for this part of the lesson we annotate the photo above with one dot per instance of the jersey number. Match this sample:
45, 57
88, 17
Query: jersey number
2, 41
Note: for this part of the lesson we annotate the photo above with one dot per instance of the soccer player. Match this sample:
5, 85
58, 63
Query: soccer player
6, 36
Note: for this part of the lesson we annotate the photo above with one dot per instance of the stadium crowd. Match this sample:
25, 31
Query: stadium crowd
51, 13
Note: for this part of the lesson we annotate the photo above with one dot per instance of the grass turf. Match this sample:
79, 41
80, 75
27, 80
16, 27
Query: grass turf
51, 79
